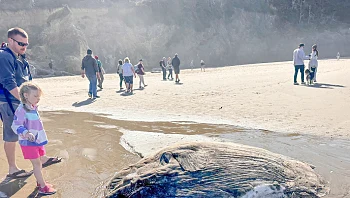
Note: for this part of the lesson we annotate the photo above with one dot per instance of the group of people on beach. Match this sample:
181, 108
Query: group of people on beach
127, 72
298, 60
19, 100
172, 64
202, 63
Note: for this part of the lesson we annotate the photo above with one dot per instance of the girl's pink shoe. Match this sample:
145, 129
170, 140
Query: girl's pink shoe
47, 190
38, 185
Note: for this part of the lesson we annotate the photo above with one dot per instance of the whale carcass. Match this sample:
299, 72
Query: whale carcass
216, 170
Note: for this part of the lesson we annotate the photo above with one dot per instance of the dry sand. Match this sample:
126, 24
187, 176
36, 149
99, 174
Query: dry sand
260, 96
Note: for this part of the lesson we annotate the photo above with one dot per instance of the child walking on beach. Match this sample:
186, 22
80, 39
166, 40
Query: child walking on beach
170, 68
31, 134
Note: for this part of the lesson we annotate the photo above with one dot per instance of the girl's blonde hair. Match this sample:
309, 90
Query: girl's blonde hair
26, 88
127, 60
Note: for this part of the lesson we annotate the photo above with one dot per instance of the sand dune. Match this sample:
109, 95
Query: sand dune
258, 96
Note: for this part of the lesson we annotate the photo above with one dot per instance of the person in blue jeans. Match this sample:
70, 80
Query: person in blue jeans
298, 60
90, 69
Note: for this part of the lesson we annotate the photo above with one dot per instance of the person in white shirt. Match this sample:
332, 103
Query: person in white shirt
128, 74
313, 63
298, 59
170, 68
338, 56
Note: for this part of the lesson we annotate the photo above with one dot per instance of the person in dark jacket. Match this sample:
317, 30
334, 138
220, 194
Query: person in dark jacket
90, 69
141, 72
12, 74
176, 65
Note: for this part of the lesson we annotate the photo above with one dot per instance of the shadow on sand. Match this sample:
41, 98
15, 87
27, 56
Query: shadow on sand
127, 94
35, 194
9, 186
139, 89
326, 86
83, 103
120, 91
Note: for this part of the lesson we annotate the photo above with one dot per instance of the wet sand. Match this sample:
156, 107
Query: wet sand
93, 151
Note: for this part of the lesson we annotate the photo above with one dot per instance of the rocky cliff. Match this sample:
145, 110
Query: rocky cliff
221, 32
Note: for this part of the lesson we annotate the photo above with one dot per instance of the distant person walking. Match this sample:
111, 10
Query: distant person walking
90, 69
128, 74
162, 65
313, 63
192, 65
120, 73
23, 58
141, 72
101, 71
202, 65
338, 56
50, 64
298, 60
170, 69
176, 65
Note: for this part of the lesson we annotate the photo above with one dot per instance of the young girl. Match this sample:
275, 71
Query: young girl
31, 134
170, 68
313, 63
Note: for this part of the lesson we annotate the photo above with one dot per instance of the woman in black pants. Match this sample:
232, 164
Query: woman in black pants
120, 73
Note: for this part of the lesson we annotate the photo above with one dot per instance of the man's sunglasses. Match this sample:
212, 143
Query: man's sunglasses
21, 43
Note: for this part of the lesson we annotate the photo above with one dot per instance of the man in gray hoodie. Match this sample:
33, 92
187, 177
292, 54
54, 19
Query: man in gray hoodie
298, 60
90, 69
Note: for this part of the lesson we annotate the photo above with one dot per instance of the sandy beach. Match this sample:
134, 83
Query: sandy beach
259, 96
255, 104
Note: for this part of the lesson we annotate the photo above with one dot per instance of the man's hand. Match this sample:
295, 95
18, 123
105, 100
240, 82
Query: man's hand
82, 75
15, 93
29, 136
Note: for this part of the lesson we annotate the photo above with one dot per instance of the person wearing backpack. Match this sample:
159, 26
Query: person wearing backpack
14, 70
141, 72
13, 73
